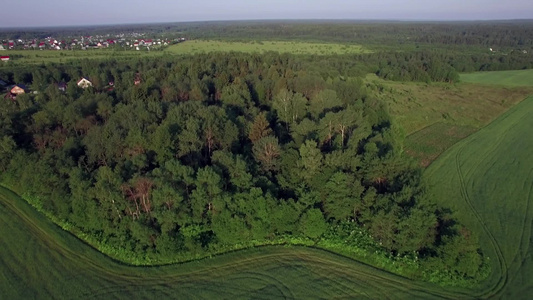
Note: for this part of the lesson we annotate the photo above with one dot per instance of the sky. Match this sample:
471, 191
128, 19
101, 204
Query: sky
29, 13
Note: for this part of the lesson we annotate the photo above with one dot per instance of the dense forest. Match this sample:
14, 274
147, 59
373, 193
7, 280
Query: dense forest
511, 34
217, 150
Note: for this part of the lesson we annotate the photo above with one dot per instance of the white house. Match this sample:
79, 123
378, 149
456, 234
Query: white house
84, 83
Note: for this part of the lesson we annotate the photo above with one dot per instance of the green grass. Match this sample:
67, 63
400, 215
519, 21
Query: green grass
201, 46
504, 78
487, 179
436, 116
186, 48
40, 260
427, 144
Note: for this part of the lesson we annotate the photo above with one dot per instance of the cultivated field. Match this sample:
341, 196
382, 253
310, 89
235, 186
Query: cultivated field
40, 260
200, 46
436, 116
487, 179
506, 78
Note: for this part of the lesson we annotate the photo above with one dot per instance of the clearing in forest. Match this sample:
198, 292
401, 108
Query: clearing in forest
487, 179
293, 47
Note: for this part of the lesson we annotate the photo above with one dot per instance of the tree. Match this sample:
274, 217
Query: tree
342, 197
107, 190
312, 223
267, 151
260, 128
291, 107
189, 139
310, 160
322, 102
7, 150
384, 227
139, 194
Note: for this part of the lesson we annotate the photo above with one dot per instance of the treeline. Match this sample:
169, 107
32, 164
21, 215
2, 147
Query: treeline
443, 66
426, 66
217, 150
497, 34
501, 34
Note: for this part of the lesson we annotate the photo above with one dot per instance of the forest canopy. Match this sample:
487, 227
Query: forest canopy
212, 151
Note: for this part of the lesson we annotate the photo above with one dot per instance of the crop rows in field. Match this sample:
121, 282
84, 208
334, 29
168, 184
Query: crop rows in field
488, 179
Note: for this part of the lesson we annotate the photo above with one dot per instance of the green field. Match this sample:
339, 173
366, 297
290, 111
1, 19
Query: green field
506, 78
199, 46
40, 260
436, 116
427, 144
186, 48
488, 180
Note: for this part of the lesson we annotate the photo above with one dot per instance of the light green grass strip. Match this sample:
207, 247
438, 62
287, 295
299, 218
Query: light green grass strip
202, 46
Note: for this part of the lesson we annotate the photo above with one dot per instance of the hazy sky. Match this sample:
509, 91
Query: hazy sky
83, 12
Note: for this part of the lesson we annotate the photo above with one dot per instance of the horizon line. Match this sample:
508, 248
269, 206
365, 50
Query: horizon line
377, 20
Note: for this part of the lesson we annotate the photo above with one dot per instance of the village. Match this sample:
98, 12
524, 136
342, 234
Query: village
134, 42
13, 90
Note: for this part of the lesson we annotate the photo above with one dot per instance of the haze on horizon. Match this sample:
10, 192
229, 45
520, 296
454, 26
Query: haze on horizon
36, 13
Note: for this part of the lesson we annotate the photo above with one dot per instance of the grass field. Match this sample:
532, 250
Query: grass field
40, 260
487, 179
506, 78
436, 116
200, 46
427, 144
189, 47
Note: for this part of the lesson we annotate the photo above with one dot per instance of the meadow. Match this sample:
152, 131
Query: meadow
293, 47
487, 179
436, 116
40, 260
185, 48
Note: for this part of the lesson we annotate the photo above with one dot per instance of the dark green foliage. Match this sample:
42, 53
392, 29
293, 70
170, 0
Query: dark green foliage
217, 150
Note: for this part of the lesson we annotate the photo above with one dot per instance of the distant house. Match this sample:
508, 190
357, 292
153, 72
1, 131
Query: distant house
62, 86
137, 79
18, 89
84, 83
4, 58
